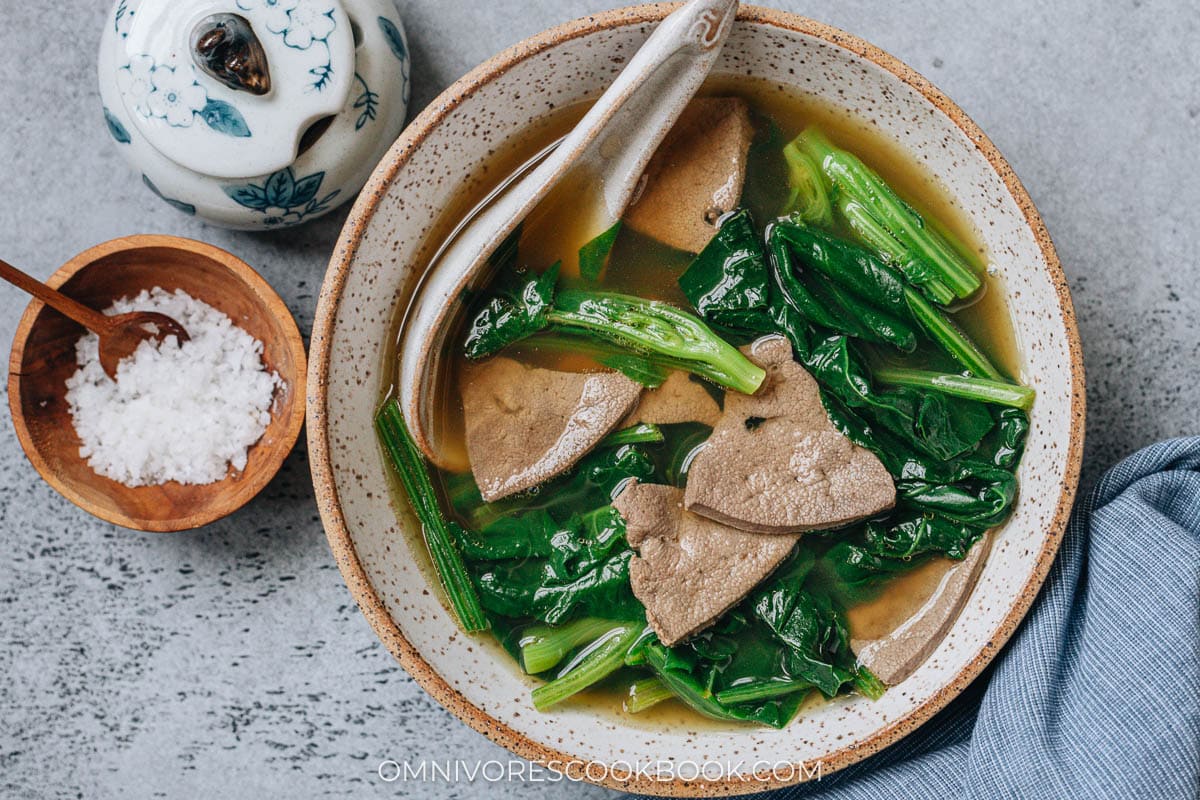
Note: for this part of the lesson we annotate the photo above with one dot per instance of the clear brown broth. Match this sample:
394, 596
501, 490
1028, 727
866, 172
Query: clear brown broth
638, 266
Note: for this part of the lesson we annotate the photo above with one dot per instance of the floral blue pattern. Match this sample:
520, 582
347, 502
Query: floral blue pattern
395, 40
173, 94
302, 24
282, 198
178, 205
123, 19
224, 118
115, 127
368, 101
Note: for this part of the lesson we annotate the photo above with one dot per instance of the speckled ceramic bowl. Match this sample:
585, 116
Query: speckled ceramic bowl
442, 152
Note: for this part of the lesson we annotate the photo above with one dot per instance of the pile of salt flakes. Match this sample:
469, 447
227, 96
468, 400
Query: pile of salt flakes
177, 412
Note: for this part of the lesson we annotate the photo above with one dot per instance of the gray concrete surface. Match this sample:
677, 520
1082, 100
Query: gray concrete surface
232, 662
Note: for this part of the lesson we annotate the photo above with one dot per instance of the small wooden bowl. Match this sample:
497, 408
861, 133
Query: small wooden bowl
43, 357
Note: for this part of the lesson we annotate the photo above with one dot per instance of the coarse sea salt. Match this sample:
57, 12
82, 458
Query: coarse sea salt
185, 413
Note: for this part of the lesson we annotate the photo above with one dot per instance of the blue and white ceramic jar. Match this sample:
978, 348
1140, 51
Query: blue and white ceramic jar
254, 113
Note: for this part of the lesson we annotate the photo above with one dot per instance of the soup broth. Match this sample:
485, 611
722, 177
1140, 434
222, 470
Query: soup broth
643, 267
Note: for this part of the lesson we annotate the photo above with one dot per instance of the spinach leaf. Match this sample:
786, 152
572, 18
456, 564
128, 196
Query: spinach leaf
570, 547
530, 588
912, 533
839, 286
859, 295
807, 624
586, 541
930, 422
690, 679
977, 487
853, 268
854, 568
523, 536
593, 256
761, 659
536, 557
976, 494
527, 566
519, 309
729, 275
659, 330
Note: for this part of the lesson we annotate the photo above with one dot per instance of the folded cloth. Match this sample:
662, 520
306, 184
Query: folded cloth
1097, 695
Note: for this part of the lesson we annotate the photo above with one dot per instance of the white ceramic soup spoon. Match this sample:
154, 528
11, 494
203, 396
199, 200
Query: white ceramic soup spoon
609, 149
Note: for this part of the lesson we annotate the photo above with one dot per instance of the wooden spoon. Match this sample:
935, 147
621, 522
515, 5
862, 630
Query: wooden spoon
119, 335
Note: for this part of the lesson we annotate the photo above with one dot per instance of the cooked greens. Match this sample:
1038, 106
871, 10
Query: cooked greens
877, 216
858, 283
659, 329
581, 568
970, 387
410, 468
761, 660
593, 256
949, 451
560, 579
642, 433
729, 276
519, 308
842, 287
808, 198
646, 693
600, 659
543, 646
655, 333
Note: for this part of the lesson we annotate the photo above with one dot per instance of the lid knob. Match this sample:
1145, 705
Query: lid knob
225, 47
227, 88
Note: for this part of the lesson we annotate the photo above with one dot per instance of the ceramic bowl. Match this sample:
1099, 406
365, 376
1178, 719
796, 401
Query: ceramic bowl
43, 357
443, 153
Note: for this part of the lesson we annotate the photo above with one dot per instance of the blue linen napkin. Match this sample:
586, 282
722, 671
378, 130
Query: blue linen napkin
1098, 693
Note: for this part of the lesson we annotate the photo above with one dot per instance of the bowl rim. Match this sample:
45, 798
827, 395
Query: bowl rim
270, 298
321, 339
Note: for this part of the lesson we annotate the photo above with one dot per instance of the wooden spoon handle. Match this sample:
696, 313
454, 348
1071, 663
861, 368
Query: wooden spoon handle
87, 317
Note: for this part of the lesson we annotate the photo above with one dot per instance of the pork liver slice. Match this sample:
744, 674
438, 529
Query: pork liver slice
896, 656
690, 570
775, 463
696, 175
525, 425
678, 399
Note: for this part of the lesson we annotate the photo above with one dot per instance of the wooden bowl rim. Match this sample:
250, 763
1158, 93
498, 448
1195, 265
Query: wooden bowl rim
270, 300
319, 445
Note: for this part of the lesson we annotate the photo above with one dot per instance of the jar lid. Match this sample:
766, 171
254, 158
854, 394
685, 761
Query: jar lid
227, 88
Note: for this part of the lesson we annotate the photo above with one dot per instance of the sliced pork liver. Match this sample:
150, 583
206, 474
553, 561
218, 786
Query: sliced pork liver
690, 570
524, 425
696, 175
775, 463
896, 656
678, 399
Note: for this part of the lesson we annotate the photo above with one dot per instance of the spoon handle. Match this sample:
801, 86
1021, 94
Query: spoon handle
87, 317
